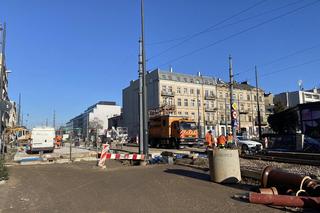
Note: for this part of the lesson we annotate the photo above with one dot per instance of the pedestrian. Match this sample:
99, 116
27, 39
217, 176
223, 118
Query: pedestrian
209, 139
221, 141
230, 140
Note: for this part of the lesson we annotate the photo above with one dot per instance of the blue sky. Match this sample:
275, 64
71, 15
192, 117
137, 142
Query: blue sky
67, 55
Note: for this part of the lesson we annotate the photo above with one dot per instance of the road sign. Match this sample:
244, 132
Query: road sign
234, 114
5, 106
234, 106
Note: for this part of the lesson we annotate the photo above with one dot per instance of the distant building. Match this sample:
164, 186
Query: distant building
204, 99
116, 121
12, 115
99, 112
292, 99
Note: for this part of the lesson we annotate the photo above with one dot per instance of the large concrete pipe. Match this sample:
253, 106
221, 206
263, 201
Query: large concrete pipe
284, 181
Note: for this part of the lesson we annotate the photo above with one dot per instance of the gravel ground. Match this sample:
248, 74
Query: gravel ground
312, 171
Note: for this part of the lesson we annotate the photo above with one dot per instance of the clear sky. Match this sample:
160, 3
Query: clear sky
67, 55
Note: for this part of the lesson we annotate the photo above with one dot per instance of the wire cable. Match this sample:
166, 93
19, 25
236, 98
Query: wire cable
280, 58
240, 32
207, 29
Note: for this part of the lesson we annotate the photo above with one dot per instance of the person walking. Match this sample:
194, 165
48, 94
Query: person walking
221, 141
209, 139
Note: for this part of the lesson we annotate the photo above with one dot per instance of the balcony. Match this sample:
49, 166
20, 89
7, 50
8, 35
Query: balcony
167, 93
209, 97
223, 122
210, 123
211, 109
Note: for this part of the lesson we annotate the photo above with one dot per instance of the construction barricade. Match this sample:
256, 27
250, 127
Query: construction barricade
105, 154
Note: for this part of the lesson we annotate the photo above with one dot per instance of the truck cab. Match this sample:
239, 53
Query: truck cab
172, 131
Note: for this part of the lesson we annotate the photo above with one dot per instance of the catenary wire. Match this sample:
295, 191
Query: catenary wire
206, 30
239, 33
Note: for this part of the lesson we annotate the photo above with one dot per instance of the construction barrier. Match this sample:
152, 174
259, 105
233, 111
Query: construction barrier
106, 155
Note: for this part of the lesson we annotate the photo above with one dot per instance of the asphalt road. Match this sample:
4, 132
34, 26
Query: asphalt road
82, 187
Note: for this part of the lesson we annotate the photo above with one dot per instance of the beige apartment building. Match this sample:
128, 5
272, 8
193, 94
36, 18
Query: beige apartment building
204, 99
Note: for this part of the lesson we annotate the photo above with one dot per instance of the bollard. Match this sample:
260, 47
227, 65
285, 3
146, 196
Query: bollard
224, 165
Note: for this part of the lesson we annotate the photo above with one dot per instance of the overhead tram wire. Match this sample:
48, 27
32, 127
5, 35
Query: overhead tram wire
280, 58
291, 67
228, 25
287, 68
207, 29
240, 32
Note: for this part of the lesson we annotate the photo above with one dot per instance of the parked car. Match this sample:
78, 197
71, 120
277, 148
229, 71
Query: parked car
248, 146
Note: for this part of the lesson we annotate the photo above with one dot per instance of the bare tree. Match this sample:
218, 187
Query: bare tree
95, 126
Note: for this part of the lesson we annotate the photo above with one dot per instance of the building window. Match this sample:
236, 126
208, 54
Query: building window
193, 102
164, 76
192, 113
242, 107
198, 92
186, 113
169, 88
255, 98
179, 113
260, 99
206, 92
221, 106
220, 95
169, 77
179, 101
185, 79
185, 90
178, 78
178, 90
248, 97
241, 96
191, 80
222, 117
211, 93
185, 102
191, 91
250, 118
164, 88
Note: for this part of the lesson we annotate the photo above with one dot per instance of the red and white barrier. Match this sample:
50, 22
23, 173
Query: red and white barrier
106, 155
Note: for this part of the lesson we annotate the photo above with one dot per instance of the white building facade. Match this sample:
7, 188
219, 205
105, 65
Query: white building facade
292, 99
99, 112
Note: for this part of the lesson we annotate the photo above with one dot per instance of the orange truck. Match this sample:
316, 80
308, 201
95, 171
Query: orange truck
172, 131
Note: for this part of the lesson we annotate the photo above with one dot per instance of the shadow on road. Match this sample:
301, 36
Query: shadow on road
189, 173
206, 177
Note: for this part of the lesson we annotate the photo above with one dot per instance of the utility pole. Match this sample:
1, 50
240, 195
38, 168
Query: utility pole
2, 72
54, 119
144, 88
226, 116
239, 112
203, 108
199, 119
258, 105
141, 121
232, 103
19, 110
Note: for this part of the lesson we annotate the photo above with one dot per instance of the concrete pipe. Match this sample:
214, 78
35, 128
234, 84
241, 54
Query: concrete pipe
282, 180
224, 165
285, 200
269, 191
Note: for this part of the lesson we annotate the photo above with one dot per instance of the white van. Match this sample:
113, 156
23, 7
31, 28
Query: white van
42, 139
